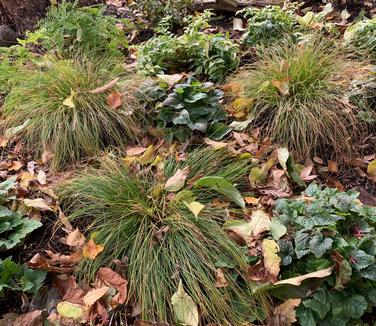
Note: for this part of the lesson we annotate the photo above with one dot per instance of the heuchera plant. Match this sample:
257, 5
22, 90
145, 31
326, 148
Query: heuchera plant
330, 228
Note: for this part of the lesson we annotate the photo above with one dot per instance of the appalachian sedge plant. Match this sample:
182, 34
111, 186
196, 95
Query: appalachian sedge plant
169, 236
56, 109
300, 95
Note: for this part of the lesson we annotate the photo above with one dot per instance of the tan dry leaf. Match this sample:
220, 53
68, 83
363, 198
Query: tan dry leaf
177, 181
105, 87
32, 318
94, 295
38, 203
260, 222
287, 309
114, 100
75, 239
130, 151
91, 249
42, 178
16, 166
299, 279
220, 281
332, 167
215, 144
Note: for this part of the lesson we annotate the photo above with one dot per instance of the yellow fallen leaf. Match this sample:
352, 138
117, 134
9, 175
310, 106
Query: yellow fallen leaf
69, 101
195, 207
371, 169
91, 249
148, 156
184, 308
252, 200
271, 257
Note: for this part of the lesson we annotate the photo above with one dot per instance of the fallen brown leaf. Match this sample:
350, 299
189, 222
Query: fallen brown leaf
106, 276
220, 281
114, 100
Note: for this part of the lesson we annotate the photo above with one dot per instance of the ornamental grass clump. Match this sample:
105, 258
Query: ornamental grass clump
60, 109
300, 96
168, 229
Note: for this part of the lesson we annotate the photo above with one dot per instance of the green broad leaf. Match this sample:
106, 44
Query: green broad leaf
305, 316
277, 229
302, 240
320, 245
360, 259
184, 308
14, 228
222, 186
348, 307
32, 280
369, 272
286, 251
218, 130
320, 303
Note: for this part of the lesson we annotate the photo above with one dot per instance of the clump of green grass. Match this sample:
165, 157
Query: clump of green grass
59, 113
300, 92
134, 217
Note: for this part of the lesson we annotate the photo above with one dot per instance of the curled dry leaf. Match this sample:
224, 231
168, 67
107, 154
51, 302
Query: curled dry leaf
299, 279
287, 309
220, 281
75, 239
94, 295
91, 249
55, 262
252, 200
177, 181
106, 276
38, 203
260, 222
114, 100
215, 144
32, 318
105, 87
130, 151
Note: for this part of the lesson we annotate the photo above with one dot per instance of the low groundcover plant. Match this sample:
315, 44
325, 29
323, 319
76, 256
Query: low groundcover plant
169, 229
327, 228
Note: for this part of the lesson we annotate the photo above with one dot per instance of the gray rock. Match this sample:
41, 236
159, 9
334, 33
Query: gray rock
8, 36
